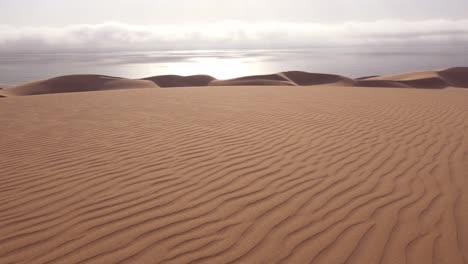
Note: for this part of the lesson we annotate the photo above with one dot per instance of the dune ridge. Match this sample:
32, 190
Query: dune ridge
245, 175
451, 77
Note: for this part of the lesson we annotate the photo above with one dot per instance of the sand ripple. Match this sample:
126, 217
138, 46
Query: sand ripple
245, 175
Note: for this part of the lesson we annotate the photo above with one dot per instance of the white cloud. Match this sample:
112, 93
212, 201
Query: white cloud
230, 34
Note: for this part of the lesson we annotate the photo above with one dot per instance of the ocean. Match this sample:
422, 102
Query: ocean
21, 67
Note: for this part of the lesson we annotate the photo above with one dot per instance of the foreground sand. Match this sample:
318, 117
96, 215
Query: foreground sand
235, 175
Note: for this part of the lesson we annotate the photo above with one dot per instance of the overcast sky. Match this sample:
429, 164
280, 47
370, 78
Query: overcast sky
65, 12
185, 24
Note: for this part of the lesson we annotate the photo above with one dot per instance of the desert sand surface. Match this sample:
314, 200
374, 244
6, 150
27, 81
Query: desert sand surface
250, 174
436, 79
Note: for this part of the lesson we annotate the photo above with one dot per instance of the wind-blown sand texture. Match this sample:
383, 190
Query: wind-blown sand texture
245, 175
438, 79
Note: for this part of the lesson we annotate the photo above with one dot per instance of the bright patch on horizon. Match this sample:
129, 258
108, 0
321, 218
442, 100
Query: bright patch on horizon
218, 68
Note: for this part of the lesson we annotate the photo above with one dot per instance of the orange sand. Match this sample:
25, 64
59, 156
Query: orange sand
322, 174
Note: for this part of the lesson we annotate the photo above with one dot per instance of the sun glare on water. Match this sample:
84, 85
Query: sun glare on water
220, 68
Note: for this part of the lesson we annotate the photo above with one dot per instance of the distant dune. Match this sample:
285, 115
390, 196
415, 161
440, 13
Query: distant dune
270, 79
452, 77
306, 78
180, 81
78, 83
323, 174
292, 78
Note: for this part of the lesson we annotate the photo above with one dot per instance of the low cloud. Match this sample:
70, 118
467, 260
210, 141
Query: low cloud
115, 36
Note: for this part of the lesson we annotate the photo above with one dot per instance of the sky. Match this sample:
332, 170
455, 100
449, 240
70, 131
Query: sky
209, 24
150, 12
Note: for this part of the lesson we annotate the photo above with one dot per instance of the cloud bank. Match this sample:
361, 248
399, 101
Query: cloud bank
113, 36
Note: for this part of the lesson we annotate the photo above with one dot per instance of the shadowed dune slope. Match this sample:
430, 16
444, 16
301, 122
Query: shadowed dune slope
456, 77
320, 174
78, 83
2, 93
367, 77
255, 82
306, 78
380, 83
181, 81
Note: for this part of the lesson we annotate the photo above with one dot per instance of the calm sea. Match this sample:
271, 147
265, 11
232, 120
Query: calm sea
23, 67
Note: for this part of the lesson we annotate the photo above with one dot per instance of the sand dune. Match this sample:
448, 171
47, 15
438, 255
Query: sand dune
246, 175
268, 79
380, 83
452, 77
254, 82
180, 81
456, 77
292, 78
78, 83
306, 78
